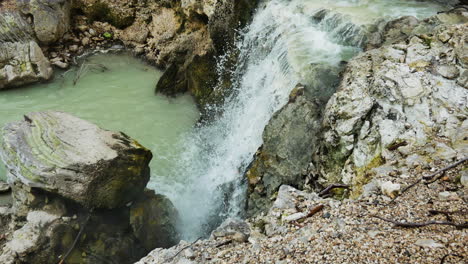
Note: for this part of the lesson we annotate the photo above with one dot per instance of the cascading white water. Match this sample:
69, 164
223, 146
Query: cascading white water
276, 52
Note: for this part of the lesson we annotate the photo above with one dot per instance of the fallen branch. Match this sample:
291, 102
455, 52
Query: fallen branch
76, 238
416, 225
184, 248
430, 177
442, 261
331, 187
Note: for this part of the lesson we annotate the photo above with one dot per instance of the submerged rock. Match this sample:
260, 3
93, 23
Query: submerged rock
80, 189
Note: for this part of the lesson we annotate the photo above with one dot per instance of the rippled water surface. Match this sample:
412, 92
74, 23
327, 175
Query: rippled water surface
115, 91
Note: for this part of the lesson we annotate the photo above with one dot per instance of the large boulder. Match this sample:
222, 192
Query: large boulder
288, 142
51, 18
65, 155
403, 102
78, 194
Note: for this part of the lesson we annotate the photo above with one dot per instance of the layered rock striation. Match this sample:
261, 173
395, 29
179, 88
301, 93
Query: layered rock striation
79, 194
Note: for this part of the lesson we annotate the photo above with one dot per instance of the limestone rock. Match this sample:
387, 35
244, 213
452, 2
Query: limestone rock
464, 178
390, 189
289, 139
392, 97
51, 18
154, 220
231, 228
22, 63
75, 159
26, 239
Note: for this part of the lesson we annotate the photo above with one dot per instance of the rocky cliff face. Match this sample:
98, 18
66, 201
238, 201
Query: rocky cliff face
180, 36
399, 106
401, 103
79, 194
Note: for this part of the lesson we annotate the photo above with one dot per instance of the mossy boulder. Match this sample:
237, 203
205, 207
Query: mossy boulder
154, 221
68, 156
78, 194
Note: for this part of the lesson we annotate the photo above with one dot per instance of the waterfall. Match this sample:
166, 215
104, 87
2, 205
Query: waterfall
277, 50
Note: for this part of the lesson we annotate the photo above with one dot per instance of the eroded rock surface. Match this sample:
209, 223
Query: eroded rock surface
401, 102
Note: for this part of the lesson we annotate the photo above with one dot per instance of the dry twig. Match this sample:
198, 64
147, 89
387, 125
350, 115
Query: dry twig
431, 178
184, 248
442, 261
415, 225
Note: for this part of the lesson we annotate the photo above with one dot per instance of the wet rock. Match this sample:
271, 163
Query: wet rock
22, 63
154, 220
172, 255
289, 140
51, 18
208, 31
75, 159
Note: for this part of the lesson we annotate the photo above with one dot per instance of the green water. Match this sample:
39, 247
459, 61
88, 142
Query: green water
115, 91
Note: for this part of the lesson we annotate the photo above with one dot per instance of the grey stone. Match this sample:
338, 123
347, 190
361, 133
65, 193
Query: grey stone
22, 63
232, 228
51, 18
288, 142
